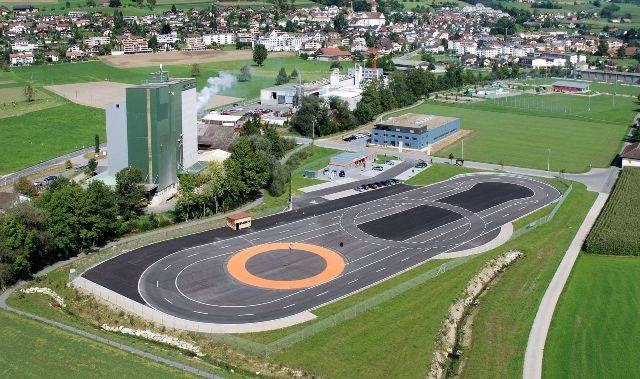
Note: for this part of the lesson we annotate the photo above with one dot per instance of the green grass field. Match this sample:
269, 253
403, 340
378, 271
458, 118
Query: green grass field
13, 101
317, 161
32, 349
41, 135
504, 136
594, 332
506, 312
437, 172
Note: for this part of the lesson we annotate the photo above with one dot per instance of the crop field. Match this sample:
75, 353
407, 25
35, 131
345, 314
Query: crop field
616, 229
594, 332
32, 349
508, 136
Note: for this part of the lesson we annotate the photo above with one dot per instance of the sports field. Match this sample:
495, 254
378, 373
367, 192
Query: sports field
515, 138
595, 331
32, 349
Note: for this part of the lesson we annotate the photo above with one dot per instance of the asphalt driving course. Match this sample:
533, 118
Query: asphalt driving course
299, 260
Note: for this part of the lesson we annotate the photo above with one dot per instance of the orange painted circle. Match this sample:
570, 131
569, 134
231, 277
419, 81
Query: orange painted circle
236, 266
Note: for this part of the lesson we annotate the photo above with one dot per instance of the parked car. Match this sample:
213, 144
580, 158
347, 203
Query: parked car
377, 168
421, 165
373, 186
49, 179
349, 139
341, 174
389, 162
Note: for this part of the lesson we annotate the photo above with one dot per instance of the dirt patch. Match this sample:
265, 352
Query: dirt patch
446, 142
99, 94
92, 94
182, 57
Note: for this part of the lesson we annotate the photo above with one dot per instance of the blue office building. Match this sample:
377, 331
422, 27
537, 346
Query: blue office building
414, 131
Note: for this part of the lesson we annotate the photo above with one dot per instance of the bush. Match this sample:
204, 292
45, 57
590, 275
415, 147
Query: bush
616, 229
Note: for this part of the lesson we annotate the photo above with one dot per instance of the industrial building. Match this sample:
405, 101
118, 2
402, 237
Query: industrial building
154, 129
344, 87
414, 131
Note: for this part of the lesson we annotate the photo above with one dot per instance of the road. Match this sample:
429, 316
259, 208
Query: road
375, 237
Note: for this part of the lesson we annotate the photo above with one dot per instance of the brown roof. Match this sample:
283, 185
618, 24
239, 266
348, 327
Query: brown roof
334, 52
238, 216
631, 151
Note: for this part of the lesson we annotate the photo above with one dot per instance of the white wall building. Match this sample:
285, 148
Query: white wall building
219, 39
279, 41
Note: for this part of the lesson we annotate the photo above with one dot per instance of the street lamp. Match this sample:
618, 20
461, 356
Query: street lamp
548, 159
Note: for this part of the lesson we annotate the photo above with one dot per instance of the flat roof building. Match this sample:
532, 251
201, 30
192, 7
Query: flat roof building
154, 129
570, 86
414, 131
349, 159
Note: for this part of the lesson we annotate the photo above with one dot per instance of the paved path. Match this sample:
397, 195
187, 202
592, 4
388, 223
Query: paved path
3, 305
538, 334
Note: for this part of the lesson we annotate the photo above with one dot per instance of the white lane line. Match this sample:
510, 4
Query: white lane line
246, 314
192, 255
323, 293
290, 305
375, 252
405, 259
202, 313
166, 268
224, 247
353, 281
382, 269
167, 300
157, 284
284, 231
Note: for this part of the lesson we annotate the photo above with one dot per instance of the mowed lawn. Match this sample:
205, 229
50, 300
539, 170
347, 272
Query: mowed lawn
523, 140
32, 349
41, 135
595, 329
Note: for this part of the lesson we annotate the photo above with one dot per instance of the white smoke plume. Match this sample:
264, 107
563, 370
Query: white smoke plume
214, 86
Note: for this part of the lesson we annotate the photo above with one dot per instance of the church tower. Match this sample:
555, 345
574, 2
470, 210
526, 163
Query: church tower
374, 6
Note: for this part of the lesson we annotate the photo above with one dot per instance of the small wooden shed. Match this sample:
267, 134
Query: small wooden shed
239, 220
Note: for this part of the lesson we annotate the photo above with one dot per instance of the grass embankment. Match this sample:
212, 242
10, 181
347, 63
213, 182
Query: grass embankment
32, 349
523, 140
318, 159
437, 172
506, 312
594, 332
616, 229
38, 136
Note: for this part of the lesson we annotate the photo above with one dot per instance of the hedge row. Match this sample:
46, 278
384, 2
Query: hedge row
617, 229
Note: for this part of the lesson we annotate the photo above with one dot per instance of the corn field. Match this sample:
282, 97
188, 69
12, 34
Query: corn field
617, 229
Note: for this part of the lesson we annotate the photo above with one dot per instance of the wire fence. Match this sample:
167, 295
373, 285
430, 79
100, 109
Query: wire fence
216, 332
340, 317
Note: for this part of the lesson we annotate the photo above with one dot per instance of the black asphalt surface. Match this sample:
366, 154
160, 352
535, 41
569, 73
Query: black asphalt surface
187, 277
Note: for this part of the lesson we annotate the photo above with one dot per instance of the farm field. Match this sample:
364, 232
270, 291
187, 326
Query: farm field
14, 102
98, 71
616, 229
41, 135
32, 349
507, 137
593, 336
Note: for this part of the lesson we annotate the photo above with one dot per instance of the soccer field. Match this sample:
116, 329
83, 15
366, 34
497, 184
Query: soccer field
514, 138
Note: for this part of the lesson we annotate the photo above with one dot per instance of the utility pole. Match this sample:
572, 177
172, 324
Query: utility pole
313, 131
463, 149
548, 159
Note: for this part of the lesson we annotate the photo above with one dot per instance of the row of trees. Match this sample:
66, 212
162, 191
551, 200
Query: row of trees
316, 117
252, 167
67, 219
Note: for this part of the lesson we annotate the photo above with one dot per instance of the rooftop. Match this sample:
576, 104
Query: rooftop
631, 151
568, 83
347, 157
417, 121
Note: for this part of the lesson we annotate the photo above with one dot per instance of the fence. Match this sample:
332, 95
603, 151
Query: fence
341, 316
220, 332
